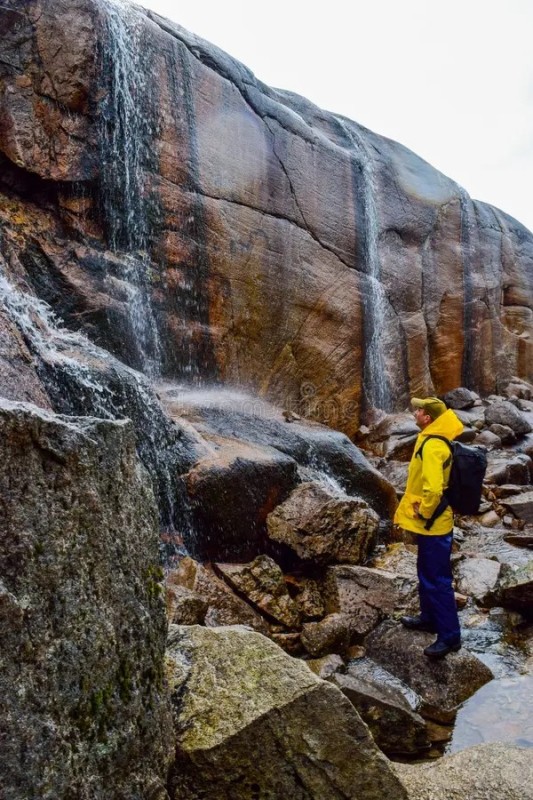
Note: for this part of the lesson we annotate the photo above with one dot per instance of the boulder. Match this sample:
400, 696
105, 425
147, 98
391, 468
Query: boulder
515, 588
443, 685
82, 691
477, 577
332, 634
366, 594
384, 705
485, 772
505, 413
504, 469
231, 492
460, 398
321, 527
504, 432
263, 586
252, 721
521, 506
185, 607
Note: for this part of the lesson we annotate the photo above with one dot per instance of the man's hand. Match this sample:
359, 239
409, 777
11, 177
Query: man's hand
416, 507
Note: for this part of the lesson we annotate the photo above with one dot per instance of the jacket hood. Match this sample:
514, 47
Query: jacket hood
448, 425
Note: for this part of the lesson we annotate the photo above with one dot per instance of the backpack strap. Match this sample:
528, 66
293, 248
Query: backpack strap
443, 502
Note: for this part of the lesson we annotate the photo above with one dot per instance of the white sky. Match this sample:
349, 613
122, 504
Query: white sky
450, 79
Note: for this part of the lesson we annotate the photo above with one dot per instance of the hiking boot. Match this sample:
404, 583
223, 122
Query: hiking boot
418, 624
439, 649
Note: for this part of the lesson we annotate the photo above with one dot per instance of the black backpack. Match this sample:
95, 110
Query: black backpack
463, 494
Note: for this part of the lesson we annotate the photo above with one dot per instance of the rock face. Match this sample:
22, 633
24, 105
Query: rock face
83, 707
257, 232
252, 721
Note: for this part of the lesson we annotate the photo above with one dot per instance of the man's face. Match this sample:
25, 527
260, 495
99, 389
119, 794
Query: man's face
421, 418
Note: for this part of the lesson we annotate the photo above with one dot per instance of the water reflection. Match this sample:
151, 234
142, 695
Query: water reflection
501, 711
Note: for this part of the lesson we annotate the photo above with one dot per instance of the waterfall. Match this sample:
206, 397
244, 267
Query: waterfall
84, 380
375, 379
126, 134
468, 227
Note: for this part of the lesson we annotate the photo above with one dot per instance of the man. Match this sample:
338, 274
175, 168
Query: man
418, 512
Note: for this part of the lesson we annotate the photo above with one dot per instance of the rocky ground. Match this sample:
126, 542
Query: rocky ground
332, 581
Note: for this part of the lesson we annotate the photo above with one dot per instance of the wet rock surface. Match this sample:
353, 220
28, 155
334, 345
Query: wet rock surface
322, 527
485, 772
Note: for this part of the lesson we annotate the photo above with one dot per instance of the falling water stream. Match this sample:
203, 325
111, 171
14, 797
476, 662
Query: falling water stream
127, 131
375, 378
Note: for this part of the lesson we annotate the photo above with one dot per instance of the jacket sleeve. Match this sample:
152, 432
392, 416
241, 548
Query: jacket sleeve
435, 460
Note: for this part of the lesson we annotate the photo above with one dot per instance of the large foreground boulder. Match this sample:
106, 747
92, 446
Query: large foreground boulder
83, 709
485, 772
254, 722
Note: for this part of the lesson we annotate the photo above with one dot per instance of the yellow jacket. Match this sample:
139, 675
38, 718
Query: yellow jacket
428, 477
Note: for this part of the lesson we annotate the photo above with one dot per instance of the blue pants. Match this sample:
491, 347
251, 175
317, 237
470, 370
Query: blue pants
437, 601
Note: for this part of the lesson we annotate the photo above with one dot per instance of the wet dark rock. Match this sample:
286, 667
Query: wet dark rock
505, 413
251, 720
82, 614
443, 685
325, 452
324, 527
515, 588
521, 505
395, 725
231, 492
460, 398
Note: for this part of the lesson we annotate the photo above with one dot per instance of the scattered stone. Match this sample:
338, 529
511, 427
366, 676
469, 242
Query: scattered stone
521, 506
504, 432
185, 607
490, 519
326, 666
263, 585
309, 600
488, 439
225, 607
515, 588
519, 539
333, 634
